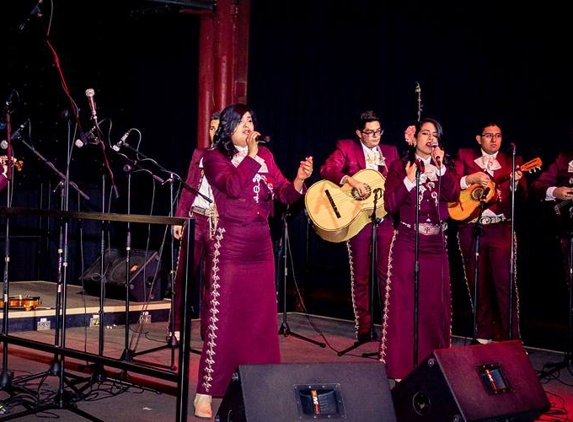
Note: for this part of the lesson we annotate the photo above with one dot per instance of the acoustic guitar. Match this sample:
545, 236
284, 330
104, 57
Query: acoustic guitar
338, 213
467, 206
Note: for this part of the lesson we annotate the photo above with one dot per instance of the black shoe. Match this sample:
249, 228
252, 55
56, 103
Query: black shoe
365, 338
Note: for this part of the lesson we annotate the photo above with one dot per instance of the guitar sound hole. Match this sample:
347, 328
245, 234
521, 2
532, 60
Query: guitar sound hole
477, 193
359, 197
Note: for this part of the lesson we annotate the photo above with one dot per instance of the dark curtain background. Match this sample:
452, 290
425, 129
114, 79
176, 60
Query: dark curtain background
312, 66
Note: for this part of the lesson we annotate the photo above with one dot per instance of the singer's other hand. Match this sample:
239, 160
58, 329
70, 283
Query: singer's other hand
411, 169
305, 169
177, 231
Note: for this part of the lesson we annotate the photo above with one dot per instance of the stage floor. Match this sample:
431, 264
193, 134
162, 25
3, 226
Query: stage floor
110, 394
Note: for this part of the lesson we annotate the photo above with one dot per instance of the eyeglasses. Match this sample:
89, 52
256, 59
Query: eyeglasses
491, 135
372, 133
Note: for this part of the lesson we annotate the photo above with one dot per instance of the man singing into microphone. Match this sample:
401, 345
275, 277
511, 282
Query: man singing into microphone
487, 166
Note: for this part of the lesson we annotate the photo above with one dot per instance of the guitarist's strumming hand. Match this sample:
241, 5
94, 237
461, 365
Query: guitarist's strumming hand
479, 178
563, 193
361, 188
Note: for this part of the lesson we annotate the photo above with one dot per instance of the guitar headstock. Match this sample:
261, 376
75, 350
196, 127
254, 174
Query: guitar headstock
532, 165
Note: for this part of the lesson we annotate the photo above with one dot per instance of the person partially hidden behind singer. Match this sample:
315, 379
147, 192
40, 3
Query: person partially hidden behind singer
422, 166
555, 184
243, 326
349, 157
199, 205
491, 168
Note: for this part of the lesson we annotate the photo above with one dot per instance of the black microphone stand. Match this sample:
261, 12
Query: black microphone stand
477, 230
64, 399
374, 282
417, 261
284, 251
513, 187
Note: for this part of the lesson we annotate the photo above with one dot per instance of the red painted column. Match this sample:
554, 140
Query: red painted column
223, 60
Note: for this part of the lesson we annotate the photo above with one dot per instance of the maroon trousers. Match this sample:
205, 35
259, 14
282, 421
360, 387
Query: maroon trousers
493, 277
360, 264
202, 257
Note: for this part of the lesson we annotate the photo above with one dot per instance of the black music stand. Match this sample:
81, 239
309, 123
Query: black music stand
283, 255
374, 282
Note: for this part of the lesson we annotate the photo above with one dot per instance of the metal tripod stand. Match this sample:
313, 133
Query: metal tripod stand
283, 254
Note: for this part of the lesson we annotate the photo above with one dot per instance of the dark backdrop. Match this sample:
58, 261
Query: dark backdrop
312, 66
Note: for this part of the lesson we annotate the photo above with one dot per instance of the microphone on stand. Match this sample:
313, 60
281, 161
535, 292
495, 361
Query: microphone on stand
260, 139
121, 141
15, 135
90, 94
88, 137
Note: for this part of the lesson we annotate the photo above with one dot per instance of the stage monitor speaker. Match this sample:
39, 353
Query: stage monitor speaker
144, 273
350, 392
489, 382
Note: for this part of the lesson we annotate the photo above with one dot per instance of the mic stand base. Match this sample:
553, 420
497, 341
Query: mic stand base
286, 331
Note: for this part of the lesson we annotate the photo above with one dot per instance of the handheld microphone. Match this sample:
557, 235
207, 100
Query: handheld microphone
121, 141
260, 139
90, 94
434, 144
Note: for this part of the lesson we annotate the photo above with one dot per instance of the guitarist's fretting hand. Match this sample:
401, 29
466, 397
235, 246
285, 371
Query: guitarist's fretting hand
563, 193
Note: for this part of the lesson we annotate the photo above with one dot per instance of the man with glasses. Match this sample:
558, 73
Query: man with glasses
349, 157
491, 170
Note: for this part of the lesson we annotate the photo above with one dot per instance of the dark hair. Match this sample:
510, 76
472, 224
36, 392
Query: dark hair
215, 116
229, 119
487, 123
411, 151
365, 117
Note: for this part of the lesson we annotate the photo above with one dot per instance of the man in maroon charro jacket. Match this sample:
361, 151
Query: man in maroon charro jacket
480, 166
191, 204
349, 157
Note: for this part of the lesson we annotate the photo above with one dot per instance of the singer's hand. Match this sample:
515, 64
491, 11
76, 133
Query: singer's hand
438, 155
479, 177
253, 144
177, 231
411, 169
305, 169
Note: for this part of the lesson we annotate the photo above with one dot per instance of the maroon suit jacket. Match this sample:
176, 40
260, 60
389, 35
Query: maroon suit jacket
502, 205
193, 180
3, 182
348, 158
557, 174
402, 203
235, 188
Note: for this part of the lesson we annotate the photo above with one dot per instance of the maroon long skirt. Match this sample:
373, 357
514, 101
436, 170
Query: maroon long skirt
243, 325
